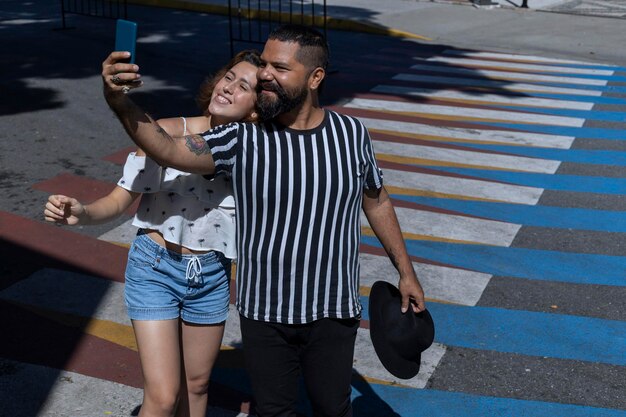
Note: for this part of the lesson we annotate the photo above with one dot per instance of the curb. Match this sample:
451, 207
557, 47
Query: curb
331, 22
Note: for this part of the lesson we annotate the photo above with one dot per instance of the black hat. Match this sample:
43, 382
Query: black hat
399, 339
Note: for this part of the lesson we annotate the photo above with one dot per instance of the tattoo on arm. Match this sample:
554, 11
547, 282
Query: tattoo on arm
197, 145
162, 132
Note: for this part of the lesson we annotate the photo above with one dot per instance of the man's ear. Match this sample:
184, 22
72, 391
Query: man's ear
316, 78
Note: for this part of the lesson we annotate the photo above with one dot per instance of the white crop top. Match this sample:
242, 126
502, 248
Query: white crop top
187, 209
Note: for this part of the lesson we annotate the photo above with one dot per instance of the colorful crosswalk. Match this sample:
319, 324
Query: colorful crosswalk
480, 153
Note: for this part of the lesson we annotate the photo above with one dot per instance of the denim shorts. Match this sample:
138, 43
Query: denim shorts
164, 285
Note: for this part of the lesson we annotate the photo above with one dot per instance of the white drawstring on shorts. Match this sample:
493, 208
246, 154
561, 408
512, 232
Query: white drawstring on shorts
194, 271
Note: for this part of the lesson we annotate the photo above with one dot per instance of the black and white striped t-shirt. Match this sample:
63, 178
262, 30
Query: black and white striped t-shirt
298, 197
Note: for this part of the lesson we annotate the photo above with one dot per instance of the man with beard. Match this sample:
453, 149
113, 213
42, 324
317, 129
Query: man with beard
300, 180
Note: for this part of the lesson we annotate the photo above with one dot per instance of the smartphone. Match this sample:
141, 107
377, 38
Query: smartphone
126, 38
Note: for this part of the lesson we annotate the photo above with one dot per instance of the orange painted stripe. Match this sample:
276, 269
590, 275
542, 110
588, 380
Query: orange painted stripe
437, 163
414, 236
435, 138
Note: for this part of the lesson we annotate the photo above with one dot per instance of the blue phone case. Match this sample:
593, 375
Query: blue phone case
126, 37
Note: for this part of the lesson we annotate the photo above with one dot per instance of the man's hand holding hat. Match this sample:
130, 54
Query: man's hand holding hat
412, 293
398, 338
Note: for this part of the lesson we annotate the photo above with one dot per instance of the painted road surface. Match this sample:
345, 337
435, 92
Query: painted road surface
501, 172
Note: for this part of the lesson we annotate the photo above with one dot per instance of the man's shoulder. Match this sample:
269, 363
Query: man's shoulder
228, 129
334, 115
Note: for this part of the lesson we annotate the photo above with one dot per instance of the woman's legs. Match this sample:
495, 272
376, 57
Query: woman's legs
159, 353
200, 347
162, 300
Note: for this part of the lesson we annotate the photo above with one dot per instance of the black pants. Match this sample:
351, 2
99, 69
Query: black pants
322, 351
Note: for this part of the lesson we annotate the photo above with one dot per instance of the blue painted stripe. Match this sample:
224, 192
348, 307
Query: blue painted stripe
540, 216
578, 132
608, 78
471, 80
527, 332
376, 400
612, 116
527, 263
576, 183
585, 66
582, 156
605, 88
574, 97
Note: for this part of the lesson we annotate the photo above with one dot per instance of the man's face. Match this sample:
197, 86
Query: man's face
283, 80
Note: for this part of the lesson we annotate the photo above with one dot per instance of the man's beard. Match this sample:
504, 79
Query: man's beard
269, 107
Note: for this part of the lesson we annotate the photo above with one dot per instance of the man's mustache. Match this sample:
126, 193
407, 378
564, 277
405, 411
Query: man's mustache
270, 86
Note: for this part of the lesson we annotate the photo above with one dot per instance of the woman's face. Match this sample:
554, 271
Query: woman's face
235, 94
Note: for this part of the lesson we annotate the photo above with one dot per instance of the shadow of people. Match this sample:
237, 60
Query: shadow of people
368, 403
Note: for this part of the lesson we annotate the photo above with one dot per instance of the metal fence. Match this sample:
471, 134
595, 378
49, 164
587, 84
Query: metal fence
111, 9
251, 21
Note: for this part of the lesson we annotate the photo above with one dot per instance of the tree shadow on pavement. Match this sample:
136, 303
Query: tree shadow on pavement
176, 51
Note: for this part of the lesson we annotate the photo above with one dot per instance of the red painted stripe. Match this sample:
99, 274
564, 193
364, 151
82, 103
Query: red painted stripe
85, 190
37, 244
119, 157
432, 209
38, 340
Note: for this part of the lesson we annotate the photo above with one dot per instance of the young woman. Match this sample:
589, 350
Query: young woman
178, 272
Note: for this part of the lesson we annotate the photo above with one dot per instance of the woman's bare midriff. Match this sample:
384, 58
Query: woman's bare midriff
158, 238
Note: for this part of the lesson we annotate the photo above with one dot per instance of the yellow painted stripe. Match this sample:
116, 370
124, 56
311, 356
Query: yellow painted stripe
117, 333
113, 332
428, 193
433, 162
377, 381
414, 236
434, 116
365, 292
435, 138
121, 244
489, 102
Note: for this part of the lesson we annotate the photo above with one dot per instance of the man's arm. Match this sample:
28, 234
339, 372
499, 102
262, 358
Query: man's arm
382, 218
190, 155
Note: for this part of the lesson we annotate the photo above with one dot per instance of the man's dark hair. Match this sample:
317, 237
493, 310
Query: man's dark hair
313, 46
